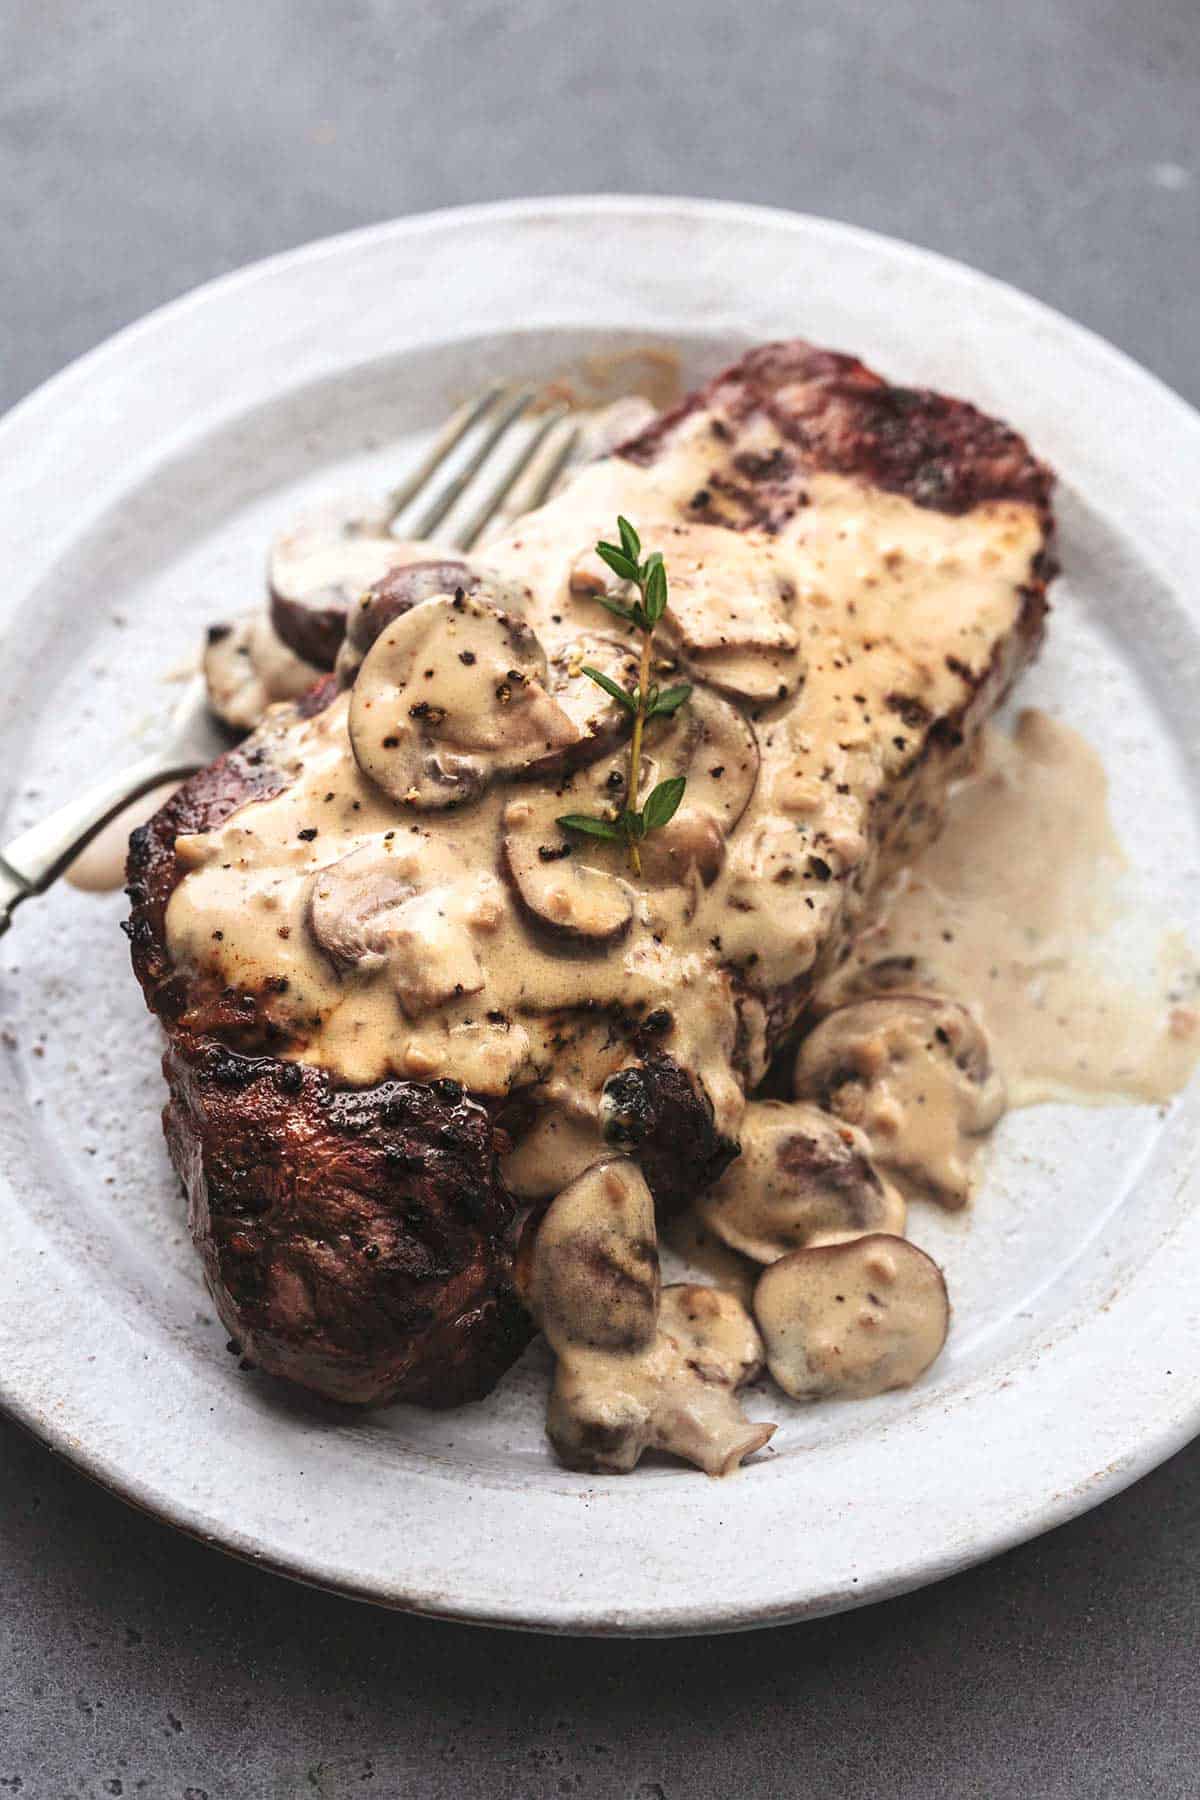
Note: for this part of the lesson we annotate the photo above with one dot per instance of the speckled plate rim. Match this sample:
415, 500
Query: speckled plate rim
1115, 1386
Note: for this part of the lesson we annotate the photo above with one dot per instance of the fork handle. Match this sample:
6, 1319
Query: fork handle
31, 862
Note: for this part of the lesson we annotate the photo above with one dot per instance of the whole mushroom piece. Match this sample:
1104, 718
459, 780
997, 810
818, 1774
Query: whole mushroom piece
913, 1072
319, 566
588, 1269
802, 1178
450, 697
636, 1369
851, 1320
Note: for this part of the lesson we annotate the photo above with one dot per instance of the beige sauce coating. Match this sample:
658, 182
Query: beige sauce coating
803, 1178
1016, 909
878, 593
912, 1072
100, 868
851, 1320
248, 667
678, 1395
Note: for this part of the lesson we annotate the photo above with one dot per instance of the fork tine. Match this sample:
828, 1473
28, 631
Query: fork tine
426, 523
548, 477
448, 438
468, 533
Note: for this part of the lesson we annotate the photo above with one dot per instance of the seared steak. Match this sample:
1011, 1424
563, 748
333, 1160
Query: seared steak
357, 1233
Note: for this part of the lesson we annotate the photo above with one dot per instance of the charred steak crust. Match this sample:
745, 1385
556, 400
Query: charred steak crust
359, 1240
831, 413
355, 1241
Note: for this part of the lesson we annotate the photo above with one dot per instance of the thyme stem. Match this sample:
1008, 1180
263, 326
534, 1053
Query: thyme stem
635, 747
649, 579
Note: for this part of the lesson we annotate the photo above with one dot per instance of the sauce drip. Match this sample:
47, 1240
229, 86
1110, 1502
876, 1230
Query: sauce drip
1021, 910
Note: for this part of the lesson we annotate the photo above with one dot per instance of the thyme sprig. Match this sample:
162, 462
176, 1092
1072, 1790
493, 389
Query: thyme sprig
646, 701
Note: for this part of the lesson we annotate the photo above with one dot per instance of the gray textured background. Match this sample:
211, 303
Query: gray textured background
147, 146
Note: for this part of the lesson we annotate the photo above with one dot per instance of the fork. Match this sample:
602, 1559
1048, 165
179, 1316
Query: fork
487, 481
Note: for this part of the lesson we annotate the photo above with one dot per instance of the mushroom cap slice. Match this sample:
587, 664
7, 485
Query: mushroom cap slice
431, 953
731, 615
851, 1320
802, 1178
714, 747
450, 697
758, 677
603, 723
561, 895
589, 1269
319, 566
408, 584
912, 1071
353, 903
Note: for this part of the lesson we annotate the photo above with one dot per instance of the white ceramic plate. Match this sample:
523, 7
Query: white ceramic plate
139, 490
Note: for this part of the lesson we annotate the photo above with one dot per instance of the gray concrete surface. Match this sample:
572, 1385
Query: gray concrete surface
147, 145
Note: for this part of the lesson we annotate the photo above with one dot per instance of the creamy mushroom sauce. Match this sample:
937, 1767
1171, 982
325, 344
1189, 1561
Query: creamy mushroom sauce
837, 638
1017, 910
868, 590
248, 667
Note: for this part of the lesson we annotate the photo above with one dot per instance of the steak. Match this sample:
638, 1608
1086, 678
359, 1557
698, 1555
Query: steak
358, 1236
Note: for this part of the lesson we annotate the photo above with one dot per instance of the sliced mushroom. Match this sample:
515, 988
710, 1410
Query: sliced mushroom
852, 1320
759, 677
561, 894
678, 1395
406, 586
353, 904
601, 722
913, 1072
247, 667
714, 747
450, 697
319, 566
802, 1178
411, 910
589, 1269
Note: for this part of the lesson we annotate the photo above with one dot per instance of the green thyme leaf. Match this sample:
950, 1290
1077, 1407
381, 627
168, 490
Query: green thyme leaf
617, 607
669, 701
662, 803
654, 591
601, 828
618, 561
647, 701
629, 701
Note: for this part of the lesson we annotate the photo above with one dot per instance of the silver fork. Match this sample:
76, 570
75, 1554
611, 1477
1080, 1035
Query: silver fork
487, 472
